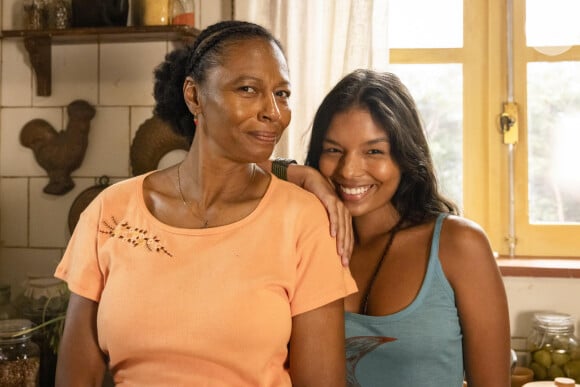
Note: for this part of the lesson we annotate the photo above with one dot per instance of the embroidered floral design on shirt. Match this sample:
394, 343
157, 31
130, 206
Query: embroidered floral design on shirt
133, 235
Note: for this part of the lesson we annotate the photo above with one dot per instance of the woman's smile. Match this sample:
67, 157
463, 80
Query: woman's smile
353, 193
266, 137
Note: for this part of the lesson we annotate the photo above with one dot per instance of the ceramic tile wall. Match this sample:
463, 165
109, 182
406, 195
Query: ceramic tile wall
116, 78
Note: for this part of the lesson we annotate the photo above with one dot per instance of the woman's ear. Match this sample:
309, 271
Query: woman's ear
191, 95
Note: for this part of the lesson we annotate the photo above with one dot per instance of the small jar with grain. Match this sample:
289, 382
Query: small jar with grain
19, 355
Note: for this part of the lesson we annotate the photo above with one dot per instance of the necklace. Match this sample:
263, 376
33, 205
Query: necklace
187, 203
392, 232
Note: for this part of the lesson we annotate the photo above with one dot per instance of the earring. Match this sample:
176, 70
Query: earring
195, 119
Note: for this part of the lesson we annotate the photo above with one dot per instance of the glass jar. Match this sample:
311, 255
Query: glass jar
554, 350
182, 12
44, 297
59, 14
35, 14
7, 310
19, 356
150, 12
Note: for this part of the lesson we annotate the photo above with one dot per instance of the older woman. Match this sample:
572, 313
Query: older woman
210, 272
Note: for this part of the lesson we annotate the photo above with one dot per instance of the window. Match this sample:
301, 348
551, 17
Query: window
452, 55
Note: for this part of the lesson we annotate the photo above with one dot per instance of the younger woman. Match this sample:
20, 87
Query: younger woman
432, 308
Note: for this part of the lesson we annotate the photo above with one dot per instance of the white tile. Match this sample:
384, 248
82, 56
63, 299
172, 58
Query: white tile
109, 142
126, 76
15, 159
49, 213
74, 75
210, 12
16, 85
14, 212
12, 15
16, 264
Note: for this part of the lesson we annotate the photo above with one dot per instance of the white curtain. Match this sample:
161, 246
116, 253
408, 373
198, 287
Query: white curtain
323, 40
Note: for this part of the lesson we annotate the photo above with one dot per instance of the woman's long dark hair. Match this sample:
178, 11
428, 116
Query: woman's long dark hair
195, 60
386, 98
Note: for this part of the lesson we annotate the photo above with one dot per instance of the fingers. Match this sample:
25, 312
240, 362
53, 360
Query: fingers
332, 205
340, 227
346, 236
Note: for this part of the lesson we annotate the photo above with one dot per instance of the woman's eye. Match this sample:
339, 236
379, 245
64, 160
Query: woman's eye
247, 89
283, 94
375, 152
330, 150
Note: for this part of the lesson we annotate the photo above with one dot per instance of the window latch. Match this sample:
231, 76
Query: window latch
508, 122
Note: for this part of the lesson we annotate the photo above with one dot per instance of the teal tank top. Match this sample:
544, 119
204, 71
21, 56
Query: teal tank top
419, 346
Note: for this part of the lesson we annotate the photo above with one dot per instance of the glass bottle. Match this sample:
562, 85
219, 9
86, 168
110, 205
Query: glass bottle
35, 14
7, 310
59, 14
19, 355
150, 12
183, 12
554, 350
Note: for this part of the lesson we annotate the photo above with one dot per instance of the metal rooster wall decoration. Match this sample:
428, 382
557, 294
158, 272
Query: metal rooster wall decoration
60, 152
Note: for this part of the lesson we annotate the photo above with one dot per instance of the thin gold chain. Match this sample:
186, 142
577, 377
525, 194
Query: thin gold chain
188, 204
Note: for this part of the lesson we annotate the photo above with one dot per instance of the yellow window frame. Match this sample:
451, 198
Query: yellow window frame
485, 156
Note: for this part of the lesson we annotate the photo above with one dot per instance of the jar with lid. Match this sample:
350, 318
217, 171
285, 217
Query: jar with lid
182, 12
19, 355
44, 297
554, 350
7, 310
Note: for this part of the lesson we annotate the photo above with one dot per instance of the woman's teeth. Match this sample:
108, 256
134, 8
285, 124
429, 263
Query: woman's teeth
355, 190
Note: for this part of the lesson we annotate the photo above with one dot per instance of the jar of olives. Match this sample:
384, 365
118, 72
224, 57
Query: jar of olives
554, 350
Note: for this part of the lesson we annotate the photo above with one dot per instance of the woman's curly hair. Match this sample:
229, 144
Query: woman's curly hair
195, 60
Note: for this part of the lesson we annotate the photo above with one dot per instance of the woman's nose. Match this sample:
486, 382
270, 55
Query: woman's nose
350, 166
270, 110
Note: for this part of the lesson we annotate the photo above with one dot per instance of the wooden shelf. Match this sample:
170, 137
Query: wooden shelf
39, 43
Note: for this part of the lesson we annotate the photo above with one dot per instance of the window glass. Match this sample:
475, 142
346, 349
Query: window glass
425, 24
554, 142
442, 118
552, 23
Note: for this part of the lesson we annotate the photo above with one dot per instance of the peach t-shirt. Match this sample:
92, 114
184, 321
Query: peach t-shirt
202, 307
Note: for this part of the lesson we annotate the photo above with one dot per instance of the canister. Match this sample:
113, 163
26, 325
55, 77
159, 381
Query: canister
19, 355
554, 350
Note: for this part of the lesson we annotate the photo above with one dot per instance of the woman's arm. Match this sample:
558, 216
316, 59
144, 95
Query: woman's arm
340, 220
317, 354
471, 268
80, 360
